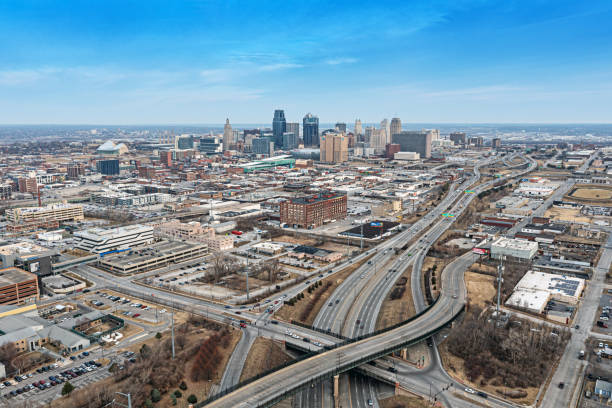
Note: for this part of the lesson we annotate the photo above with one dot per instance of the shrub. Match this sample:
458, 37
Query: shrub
183, 386
155, 395
192, 399
148, 403
178, 394
173, 399
158, 336
67, 389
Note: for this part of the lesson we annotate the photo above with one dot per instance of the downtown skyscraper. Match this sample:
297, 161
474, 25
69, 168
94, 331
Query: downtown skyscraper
310, 130
279, 127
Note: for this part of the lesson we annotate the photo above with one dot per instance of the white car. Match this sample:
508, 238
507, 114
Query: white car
471, 391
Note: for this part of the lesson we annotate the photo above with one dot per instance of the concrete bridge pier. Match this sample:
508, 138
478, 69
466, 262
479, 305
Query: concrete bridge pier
336, 391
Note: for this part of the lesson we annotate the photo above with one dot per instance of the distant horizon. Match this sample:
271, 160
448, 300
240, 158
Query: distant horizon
241, 124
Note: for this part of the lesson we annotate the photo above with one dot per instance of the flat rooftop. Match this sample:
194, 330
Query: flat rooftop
112, 232
154, 251
21, 248
11, 276
316, 198
47, 208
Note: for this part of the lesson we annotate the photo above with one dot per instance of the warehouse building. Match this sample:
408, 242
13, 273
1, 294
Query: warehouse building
513, 248
99, 240
17, 286
536, 289
313, 211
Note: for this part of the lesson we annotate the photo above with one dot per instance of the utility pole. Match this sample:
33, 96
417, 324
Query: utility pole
129, 400
173, 354
247, 275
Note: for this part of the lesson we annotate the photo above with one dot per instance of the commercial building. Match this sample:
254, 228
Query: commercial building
100, 240
17, 286
27, 185
290, 140
496, 143
514, 248
340, 127
184, 142
210, 145
165, 158
75, 170
29, 257
406, 156
263, 146
279, 127
53, 212
294, 127
151, 257
194, 231
391, 149
334, 148
313, 211
536, 289
358, 128
227, 135
6, 191
310, 130
396, 126
460, 138
415, 141
108, 167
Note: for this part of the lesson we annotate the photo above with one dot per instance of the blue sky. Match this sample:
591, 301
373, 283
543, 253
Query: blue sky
165, 62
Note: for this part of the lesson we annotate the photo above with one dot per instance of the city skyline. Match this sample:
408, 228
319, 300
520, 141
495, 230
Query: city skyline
444, 62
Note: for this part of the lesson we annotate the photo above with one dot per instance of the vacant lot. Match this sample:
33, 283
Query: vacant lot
566, 214
592, 193
398, 305
481, 289
403, 401
264, 355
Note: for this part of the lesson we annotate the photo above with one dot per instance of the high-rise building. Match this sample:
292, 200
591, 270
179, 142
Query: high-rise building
227, 135
378, 138
210, 145
183, 142
460, 138
418, 141
369, 134
396, 126
6, 191
279, 126
294, 127
340, 127
384, 125
75, 170
263, 146
236, 135
290, 141
108, 167
334, 148
496, 143
391, 149
166, 158
477, 141
358, 128
310, 129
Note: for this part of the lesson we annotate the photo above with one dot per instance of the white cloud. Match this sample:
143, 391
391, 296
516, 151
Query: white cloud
339, 61
279, 66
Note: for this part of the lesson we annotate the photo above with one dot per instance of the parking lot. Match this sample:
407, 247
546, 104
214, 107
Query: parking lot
602, 319
45, 384
125, 308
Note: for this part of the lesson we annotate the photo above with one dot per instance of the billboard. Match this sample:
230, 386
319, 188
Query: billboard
480, 251
376, 224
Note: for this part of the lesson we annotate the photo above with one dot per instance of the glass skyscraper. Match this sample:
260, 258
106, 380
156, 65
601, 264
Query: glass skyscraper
310, 130
279, 126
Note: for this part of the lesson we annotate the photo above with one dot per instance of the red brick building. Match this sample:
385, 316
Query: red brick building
313, 211
17, 286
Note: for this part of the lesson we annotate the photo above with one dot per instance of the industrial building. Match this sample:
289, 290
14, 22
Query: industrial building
53, 212
99, 240
313, 211
513, 248
536, 289
154, 256
17, 286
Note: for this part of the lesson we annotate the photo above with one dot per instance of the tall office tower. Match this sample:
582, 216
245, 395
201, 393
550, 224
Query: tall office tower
396, 126
415, 141
310, 130
358, 128
341, 127
378, 139
279, 126
435, 134
334, 148
263, 146
290, 141
294, 127
236, 135
369, 133
384, 125
458, 137
108, 167
227, 135
496, 143
183, 142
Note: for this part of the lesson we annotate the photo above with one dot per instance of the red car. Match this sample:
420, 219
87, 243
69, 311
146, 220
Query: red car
136, 315
242, 325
